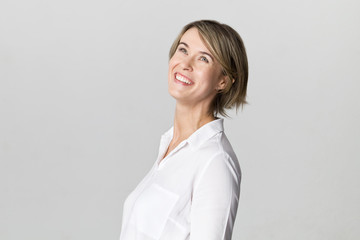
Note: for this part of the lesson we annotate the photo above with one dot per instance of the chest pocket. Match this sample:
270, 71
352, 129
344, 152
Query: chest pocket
152, 210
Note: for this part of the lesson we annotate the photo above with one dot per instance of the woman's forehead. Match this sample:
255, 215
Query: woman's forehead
193, 39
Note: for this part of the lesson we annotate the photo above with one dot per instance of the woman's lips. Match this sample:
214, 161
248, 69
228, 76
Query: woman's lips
179, 78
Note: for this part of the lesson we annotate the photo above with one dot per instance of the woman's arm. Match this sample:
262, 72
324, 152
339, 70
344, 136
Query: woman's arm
215, 200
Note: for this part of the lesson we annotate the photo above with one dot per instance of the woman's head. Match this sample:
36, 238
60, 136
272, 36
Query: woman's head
226, 48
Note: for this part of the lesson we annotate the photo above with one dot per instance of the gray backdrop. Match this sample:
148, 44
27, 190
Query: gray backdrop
83, 102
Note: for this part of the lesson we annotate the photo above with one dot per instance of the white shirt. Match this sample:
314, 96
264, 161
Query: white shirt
192, 194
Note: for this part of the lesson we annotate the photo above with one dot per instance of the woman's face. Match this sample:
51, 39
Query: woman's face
194, 74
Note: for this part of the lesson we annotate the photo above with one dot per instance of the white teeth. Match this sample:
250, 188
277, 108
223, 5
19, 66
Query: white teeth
182, 79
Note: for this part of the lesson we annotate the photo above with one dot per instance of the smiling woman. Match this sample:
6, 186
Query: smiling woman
225, 47
193, 65
192, 191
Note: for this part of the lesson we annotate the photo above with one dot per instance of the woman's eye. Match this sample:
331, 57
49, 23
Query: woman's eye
204, 59
182, 50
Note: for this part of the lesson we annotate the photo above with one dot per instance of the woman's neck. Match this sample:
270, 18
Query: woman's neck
189, 119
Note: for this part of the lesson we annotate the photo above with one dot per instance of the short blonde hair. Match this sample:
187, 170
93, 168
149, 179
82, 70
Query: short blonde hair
228, 49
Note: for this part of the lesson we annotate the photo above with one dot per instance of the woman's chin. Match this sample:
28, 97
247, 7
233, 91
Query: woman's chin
181, 98
177, 93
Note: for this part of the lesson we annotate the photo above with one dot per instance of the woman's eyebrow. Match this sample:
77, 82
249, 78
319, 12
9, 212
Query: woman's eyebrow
202, 52
184, 44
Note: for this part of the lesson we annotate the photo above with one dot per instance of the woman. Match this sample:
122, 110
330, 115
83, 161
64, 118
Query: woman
192, 191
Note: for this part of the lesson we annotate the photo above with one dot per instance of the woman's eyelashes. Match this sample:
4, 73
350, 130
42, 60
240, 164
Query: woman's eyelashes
202, 58
183, 50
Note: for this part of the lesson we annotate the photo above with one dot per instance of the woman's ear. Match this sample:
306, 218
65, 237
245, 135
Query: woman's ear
224, 81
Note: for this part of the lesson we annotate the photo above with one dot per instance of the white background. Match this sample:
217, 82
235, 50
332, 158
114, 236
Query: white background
83, 102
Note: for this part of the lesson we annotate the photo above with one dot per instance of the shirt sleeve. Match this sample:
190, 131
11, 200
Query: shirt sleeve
215, 200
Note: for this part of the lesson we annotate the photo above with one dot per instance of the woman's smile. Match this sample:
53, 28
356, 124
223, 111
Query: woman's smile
182, 79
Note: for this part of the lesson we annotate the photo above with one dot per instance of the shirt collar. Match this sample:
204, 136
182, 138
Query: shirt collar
201, 135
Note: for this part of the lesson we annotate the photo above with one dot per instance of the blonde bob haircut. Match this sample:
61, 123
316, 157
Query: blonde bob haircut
226, 45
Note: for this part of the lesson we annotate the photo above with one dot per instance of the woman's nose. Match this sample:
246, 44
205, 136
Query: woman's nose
187, 63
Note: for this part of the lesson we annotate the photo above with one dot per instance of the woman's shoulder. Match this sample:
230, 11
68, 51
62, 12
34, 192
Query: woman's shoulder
219, 143
217, 158
216, 148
